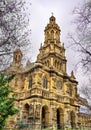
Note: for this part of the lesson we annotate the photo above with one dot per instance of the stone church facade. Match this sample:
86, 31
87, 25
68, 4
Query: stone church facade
47, 95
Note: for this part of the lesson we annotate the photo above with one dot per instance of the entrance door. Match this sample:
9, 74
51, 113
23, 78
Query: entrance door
45, 117
60, 119
72, 115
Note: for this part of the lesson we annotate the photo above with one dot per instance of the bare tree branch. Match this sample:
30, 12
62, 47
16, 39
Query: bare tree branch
81, 41
82, 38
14, 28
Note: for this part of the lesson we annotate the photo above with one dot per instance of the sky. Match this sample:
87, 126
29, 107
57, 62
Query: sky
40, 12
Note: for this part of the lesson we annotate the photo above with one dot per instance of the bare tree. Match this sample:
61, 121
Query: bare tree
86, 90
14, 28
81, 41
82, 36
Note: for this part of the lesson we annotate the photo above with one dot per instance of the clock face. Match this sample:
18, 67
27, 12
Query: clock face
59, 85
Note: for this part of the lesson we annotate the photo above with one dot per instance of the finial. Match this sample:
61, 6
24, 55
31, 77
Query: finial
40, 45
72, 75
63, 45
52, 13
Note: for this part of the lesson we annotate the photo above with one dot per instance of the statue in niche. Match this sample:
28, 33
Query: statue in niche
58, 84
31, 112
37, 78
52, 47
54, 113
38, 106
26, 84
52, 82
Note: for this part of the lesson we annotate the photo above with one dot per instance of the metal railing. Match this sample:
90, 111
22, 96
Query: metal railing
27, 126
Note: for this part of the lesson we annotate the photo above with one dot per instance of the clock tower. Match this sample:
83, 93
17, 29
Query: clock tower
52, 53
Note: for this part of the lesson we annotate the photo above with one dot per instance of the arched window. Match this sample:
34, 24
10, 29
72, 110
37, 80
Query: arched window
45, 117
60, 118
55, 63
45, 82
48, 35
26, 112
30, 82
52, 34
19, 57
57, 36
48, 63
16, 57
58, 64
70, 91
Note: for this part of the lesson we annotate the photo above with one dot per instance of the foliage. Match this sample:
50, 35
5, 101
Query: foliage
14, 28
7, 99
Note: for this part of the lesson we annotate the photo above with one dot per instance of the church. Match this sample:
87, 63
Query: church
47, 95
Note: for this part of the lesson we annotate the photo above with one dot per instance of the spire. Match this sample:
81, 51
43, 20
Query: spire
40, 45
72, 75
63, 45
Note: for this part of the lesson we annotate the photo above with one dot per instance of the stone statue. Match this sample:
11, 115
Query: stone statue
37, 78
52, 83
26, 84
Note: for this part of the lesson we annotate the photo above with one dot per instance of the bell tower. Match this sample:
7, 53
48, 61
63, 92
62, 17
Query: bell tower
52, 52
52, 31
17, 57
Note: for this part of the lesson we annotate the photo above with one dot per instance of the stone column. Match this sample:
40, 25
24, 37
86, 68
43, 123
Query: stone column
37, 116
54, 117
67, 119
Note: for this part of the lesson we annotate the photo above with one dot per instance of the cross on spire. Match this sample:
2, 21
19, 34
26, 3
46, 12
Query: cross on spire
52, 13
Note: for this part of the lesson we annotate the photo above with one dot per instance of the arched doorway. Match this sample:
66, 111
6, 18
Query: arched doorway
45, 117
72, 118
60, 119
26, 112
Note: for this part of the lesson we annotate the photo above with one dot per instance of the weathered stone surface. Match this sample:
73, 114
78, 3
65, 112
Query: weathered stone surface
46, 94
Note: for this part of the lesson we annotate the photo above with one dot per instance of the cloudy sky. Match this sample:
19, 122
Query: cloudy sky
41, 11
